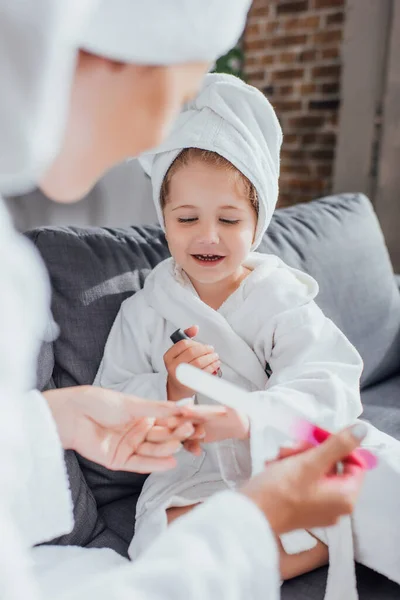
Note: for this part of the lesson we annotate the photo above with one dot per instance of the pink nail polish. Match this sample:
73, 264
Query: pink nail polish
314, 435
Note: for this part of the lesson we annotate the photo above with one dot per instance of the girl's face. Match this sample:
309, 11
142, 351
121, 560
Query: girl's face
210, 223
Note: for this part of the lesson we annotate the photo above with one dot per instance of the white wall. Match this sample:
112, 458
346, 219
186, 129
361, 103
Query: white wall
122, 197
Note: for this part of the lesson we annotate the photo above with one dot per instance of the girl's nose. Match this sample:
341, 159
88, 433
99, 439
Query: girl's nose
209, 234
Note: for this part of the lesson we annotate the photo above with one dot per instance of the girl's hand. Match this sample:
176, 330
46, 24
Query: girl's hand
230, 425
192, 353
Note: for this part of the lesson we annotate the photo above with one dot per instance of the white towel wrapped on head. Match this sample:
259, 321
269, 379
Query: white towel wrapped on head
236, 121
160, 32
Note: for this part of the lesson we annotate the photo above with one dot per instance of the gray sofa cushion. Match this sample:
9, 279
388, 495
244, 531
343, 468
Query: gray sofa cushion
382, 405
92, 271
337, 240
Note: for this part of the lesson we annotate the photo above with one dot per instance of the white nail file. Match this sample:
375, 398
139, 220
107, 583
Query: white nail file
228, 394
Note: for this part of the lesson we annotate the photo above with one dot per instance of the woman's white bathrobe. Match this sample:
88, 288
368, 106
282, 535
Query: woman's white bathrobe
38, 58
35, 500
272, 318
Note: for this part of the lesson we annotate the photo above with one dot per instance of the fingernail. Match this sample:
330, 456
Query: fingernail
185, 402
359, 431
179, 448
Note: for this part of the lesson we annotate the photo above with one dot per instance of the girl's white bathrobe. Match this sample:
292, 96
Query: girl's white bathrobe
271, 319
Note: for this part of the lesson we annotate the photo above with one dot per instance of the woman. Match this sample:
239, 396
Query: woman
66, 117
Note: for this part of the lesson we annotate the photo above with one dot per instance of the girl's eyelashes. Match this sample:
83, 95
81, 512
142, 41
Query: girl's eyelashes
193, 219
230, 221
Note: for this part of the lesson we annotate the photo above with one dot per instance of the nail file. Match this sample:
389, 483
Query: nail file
228, 394
185, 402
293, 425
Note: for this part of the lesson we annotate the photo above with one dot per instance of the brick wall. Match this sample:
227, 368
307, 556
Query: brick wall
292, 53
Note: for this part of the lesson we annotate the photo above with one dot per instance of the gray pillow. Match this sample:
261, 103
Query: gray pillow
338, 241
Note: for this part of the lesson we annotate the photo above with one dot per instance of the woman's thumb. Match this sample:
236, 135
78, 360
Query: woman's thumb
338, 446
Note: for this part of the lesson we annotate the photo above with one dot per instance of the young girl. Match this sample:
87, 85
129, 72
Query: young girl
215, 184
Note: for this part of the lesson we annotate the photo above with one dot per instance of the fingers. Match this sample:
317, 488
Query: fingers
194, 447
192, 331
285, 452
137, 408
203, 413
338, 494
349, 482
164, 449
176, 350
206, 360
199, 432
171, 422
213, 368
186, 350
175, 429
195, 353
159, 434
336, 448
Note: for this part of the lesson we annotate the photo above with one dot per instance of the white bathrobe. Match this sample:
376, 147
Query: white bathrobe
272, 318
37, 62
232, 553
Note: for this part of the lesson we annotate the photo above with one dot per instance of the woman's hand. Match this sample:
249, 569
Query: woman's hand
301, 489
122, 432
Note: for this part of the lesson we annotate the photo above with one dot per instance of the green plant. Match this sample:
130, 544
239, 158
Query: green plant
231, 63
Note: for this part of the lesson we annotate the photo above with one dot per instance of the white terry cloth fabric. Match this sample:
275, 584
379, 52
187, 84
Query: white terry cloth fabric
157, 32
225, 550
236, 121
42, 39
341, 581
36, 69
29, 446
315, 370
35, 503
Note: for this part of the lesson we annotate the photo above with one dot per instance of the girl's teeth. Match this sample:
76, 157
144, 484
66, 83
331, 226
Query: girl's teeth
209, 257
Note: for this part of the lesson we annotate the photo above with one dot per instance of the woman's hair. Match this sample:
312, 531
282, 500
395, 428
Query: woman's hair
210, 158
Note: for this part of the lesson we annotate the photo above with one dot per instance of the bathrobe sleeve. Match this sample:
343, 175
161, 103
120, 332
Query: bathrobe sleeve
126, 365
44, 508
315, 372
34, 483
224, 549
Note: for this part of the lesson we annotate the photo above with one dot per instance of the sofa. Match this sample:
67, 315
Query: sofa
335, 239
